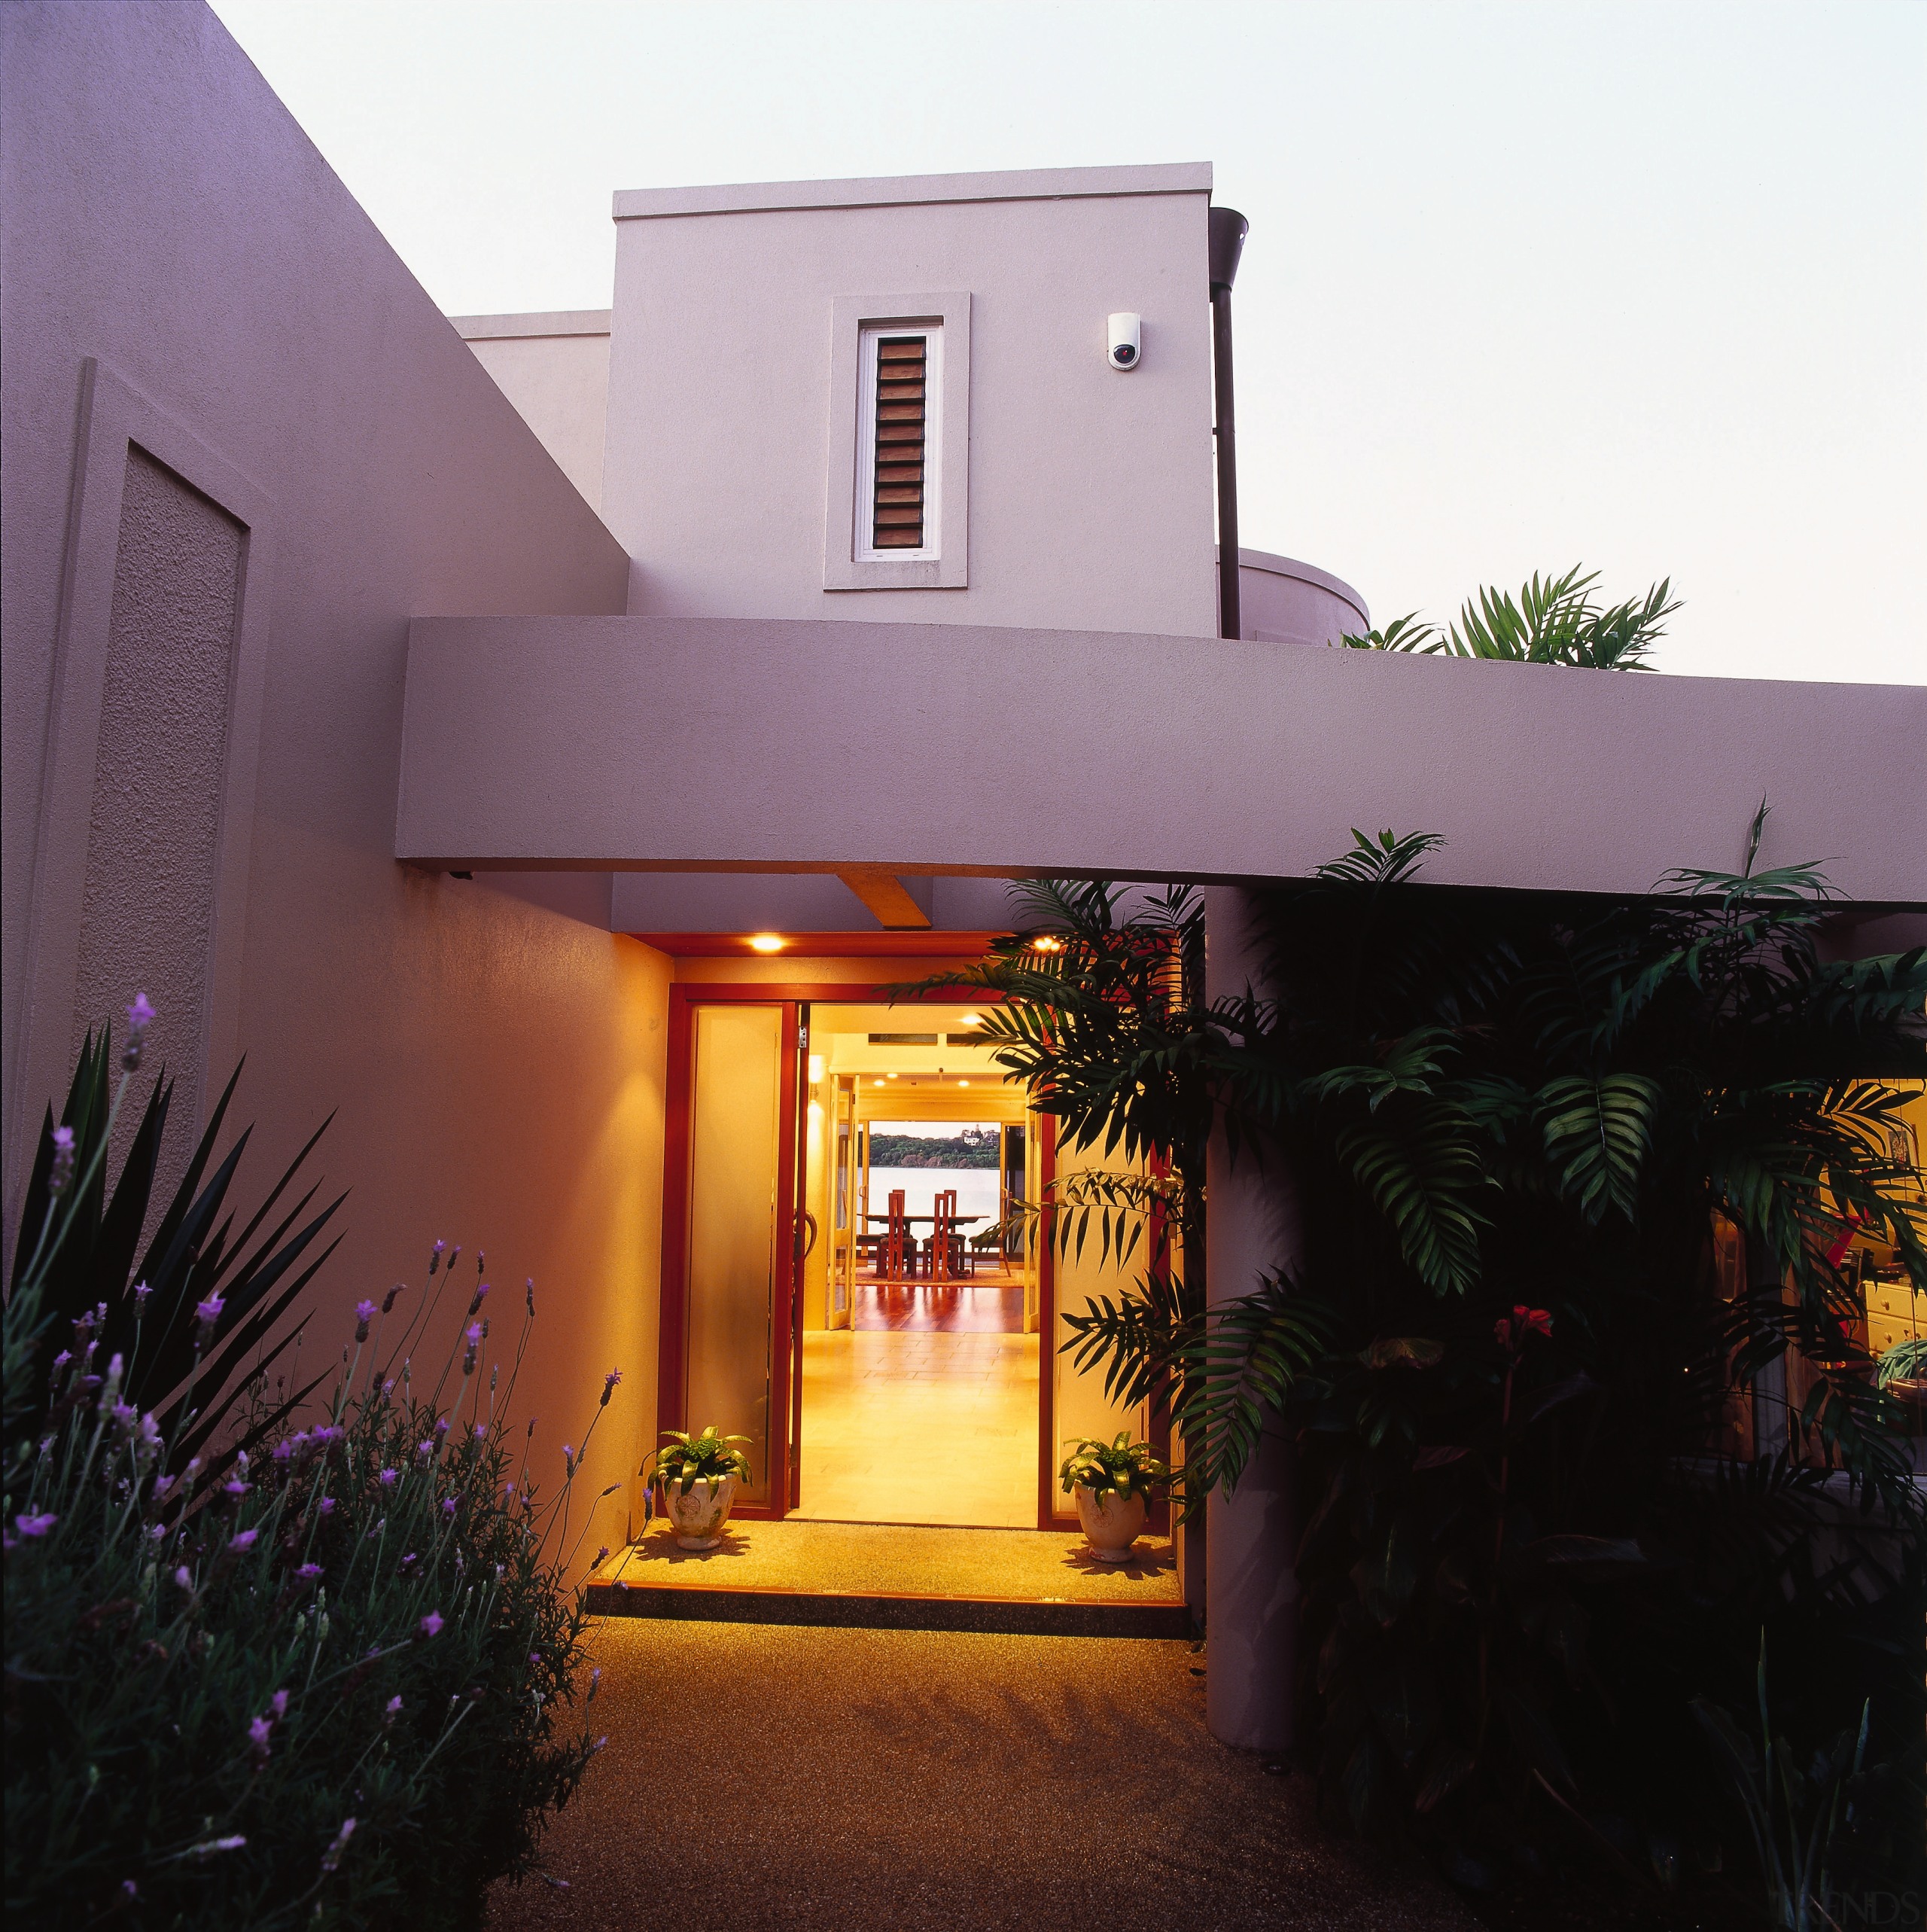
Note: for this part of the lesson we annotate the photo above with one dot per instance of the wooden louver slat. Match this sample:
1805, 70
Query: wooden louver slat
897, 499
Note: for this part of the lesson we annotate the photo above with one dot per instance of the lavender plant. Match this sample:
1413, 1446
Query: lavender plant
336, 1682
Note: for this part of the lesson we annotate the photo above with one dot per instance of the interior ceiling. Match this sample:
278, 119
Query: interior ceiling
914, 1017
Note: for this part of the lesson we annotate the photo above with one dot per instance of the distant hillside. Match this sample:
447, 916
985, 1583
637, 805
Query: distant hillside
975, 1147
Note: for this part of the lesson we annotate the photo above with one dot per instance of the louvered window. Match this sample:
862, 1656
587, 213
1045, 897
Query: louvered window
901, 385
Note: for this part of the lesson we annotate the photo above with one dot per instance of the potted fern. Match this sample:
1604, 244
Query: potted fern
697, 1477
1113, 1482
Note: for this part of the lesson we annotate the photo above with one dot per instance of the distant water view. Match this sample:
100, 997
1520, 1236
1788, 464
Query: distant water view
976, 1190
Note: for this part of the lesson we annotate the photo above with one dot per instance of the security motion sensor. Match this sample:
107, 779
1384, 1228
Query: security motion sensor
1126, 331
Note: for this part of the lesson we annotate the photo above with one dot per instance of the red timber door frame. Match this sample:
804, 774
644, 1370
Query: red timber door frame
786, 1313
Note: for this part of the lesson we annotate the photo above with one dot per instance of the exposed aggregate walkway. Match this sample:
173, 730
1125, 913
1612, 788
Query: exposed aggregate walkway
760, 1776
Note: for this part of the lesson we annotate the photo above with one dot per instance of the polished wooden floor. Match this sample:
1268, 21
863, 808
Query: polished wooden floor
929, 1426
984, 1304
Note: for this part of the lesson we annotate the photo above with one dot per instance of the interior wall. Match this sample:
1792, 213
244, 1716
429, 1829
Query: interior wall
494, 1066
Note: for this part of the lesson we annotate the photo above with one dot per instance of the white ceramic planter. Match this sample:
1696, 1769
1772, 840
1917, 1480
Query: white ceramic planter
1112, 1523
698, 1509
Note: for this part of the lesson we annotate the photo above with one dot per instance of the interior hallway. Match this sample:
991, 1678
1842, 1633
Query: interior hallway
919, 1425
934, 1782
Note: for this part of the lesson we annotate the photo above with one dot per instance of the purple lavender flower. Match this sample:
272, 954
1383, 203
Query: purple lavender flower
568, 1458
364, 1313
33, 1526
61, 1360
244, 1539
141, 1292
278, 1704
388, 1300
390, 1477
209, 1846
609, 1383
481, 1432
441, 1425
259, 1731
449, 1507
602, 1556
325, 1506
435, 1254
426, 1448
60, 1174
140, 1017
535, 1657
528, 1289
207, 1313
594, 1683
308, 1572
234, 1486
431, 1624
392, 1708
183, 1578
481, 1296
331, 1857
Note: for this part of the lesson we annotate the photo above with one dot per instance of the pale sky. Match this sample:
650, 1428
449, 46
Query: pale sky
1640, 284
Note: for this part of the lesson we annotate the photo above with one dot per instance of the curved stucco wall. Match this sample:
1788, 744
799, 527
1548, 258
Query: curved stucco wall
1281, 601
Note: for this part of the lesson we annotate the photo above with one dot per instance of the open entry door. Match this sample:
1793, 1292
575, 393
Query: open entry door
733, 1237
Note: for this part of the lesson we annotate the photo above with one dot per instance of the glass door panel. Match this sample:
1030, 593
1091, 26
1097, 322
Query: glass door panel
737, 1270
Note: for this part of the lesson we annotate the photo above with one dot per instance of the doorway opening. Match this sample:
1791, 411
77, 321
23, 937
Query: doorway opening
855, 1273
920, 1342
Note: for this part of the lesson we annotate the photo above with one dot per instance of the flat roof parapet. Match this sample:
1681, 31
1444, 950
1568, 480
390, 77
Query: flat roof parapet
542, 322
885, 190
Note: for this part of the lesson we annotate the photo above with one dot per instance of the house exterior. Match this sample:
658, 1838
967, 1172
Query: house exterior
432, 711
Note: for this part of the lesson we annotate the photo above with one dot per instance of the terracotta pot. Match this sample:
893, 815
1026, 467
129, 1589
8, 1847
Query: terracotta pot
1111, 1522
698, 1508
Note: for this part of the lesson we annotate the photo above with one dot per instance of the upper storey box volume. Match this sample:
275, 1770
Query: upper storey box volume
894, 400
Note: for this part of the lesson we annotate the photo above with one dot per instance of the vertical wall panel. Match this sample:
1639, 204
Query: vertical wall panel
146, 918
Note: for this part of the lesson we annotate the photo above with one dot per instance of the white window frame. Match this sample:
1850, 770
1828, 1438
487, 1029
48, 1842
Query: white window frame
850, 560
863, 529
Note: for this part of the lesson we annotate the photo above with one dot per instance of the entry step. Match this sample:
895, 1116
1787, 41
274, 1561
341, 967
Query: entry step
898, 1576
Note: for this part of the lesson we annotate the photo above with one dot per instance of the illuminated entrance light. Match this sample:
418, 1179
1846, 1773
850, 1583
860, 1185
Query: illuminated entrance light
766, 942
971, 1019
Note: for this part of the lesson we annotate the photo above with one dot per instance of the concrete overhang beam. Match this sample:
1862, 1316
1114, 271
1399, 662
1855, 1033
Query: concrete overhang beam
702, 744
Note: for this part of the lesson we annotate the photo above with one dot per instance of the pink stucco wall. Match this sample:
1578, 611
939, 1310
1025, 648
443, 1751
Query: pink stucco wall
551, 740
1091, 496
555, 369
497, 1066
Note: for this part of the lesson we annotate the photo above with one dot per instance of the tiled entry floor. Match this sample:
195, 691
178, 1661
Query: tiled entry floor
920, 1427
889, 1558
